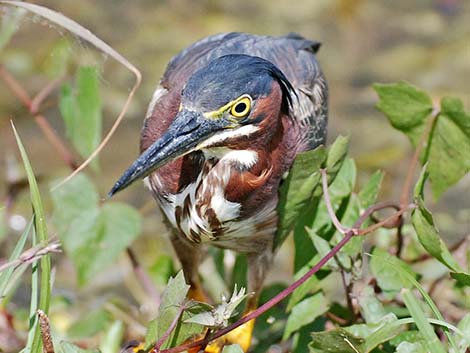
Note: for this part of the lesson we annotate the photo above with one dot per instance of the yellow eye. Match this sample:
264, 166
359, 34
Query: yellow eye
241, 108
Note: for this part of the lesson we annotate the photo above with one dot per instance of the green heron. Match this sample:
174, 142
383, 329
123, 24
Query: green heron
223, 128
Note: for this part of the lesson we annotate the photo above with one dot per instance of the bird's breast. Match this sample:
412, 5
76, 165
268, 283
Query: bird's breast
211, 207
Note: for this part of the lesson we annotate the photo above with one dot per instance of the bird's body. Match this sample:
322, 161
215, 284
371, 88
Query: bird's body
202, 194
223, 128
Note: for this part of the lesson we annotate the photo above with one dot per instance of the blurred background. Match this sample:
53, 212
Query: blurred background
425, 42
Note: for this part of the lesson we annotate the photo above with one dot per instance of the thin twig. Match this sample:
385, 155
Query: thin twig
143, 278
55, 141
400, 239
329, 206
32, 254
393, 217
45, 92
336, 318
347, 288
377, 207
15, 87
33, 106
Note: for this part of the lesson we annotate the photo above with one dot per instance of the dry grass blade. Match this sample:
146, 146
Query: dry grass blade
80, 31
32, 255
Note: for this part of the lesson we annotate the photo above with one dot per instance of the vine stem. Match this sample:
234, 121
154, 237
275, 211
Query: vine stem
170, 329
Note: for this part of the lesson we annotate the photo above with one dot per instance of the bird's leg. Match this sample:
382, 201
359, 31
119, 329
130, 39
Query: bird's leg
190, 257
258, 265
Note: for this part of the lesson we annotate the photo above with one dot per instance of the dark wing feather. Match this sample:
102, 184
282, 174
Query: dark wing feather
292, 54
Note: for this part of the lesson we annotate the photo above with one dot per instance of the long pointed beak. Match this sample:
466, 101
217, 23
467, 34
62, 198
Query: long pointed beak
187, 130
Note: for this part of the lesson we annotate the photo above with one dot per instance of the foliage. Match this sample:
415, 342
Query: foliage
386, 305
93, 235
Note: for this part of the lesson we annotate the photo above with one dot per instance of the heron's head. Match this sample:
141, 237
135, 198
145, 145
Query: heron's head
225, 102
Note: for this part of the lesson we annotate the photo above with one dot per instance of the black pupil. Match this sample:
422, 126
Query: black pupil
240, 108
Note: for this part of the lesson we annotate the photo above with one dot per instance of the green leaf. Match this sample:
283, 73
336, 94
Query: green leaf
409, 347
308, 286
464, 326
172, 301
405, 106
10, 24
323, 248
448, 146
69, 110
72, 199
56, 63
162, 269
428, 234
81, 110
89, 103
233, 348
369, 193
111, 341
463, 279
116, 227
40, 228
6, 275
67, 347
3, 226
372, 309
385, 268
431, 340
173, 297
337, 341
376, 333
409, 277
89, 325
296, 191
337, 153
93, 236
305, 312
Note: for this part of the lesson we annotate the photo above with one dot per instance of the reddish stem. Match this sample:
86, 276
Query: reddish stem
170, 329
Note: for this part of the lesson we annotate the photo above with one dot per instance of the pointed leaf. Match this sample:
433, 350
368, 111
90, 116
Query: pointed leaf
297, 190
72, 199
428, 234
10, 24
449, 146
463, 279
337, 153
431, 340
337, 341
405, 106
233, 348
173, 299
40, 228
385, 269
81, 110
67, 347
305, 312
